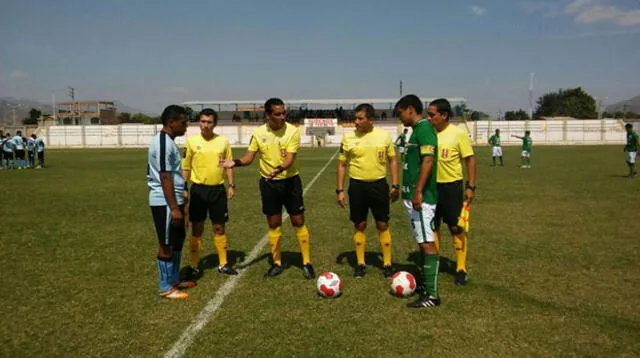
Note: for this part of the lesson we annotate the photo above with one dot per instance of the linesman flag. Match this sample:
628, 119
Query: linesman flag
465, 213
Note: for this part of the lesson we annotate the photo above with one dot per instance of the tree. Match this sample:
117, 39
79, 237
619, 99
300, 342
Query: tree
34, 114
519, 115
459, 109
573, 102
124, 117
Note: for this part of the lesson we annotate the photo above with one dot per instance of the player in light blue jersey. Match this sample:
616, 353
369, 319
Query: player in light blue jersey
31, 150
19, 150
166, 199
7, 152
40, 151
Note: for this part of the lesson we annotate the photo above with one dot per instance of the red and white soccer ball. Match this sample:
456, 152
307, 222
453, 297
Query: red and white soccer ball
329, 285
403, 284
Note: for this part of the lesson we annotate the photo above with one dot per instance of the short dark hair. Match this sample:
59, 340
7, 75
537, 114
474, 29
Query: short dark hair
19, 133
172, 113
209, 112
527, 132
410, 100
368, 110
442, 106
33, 136
628, 126
268, 105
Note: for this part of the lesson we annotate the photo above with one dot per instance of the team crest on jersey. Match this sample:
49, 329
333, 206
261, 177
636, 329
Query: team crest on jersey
198, 147
283, 152
445, 152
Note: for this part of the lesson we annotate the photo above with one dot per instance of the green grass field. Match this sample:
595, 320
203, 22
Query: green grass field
553, 263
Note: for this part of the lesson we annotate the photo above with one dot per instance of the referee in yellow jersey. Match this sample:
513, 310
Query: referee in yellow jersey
208, 194
368, 150
454, 147
280, 186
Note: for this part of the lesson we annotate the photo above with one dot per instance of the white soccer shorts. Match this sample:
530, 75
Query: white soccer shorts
421, 222
497, 152
525, 154
631, 157
401, 150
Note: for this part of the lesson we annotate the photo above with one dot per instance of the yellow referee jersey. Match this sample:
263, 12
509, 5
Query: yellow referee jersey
273, 147
203, 156
453, 146
367, 154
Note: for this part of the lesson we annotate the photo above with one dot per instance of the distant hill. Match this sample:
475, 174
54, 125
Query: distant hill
632, 105
23, 106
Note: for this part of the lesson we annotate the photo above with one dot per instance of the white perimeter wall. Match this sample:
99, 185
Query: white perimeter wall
553, 132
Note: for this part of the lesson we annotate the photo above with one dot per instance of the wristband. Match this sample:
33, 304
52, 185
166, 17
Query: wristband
471, 187
232, 186
395, 186
338, 191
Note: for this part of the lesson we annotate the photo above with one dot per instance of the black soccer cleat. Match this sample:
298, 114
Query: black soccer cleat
461, 278
424, 302
194, 273
360, 271
227, 270
274, 270
387, 271
308, 272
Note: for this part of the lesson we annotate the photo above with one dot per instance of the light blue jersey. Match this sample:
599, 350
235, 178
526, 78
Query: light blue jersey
39, 144
7, 145
17, 141
31, 144
164, 156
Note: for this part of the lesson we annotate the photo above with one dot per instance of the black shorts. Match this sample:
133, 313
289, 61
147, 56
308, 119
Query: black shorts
368, 195
40, 155
7, 155
450, 198
278, 193
19, 153
208, 199
168, 233
31, 154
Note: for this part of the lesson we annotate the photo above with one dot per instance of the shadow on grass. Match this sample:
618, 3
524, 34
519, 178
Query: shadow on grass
211, 262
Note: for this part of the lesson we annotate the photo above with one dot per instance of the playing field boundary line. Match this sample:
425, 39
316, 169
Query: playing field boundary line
201, 320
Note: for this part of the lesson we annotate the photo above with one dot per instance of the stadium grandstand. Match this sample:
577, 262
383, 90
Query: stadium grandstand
297, 110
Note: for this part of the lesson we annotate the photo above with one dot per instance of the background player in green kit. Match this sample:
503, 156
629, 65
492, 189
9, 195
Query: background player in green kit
420, 193
527, 144
631, 149
496, 148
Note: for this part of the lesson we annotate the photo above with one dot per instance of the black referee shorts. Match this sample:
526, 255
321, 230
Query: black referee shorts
208, 199
168, 233
450, 198
365, 196
278, 193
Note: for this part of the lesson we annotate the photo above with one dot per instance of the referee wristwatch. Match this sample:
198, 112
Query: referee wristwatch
338, 191
395, 186
232, 186
470, 187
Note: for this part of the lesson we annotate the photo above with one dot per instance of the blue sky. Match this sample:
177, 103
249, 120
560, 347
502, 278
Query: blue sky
148, 54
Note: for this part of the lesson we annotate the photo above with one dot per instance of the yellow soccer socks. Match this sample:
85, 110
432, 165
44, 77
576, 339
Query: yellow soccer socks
221, 242
302, 234
274, 241
360, 240
460, 248
385, 246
